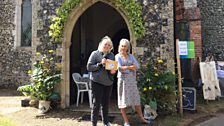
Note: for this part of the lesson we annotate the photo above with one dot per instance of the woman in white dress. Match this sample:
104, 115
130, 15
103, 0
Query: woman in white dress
128, 94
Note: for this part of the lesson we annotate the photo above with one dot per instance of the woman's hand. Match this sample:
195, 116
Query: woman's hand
123, 68
112, 71
132, 67
103, 61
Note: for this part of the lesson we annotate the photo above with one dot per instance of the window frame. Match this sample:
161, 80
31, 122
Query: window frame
18, 26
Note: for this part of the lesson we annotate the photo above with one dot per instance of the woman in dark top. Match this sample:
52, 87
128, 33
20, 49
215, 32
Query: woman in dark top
101, 80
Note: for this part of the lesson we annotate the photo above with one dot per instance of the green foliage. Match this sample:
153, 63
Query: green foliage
157, 83
45, 74
56, 29
25, 89
57, 26
131, 7
134, 13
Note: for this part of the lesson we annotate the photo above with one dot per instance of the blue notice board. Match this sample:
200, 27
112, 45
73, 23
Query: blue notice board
189, 98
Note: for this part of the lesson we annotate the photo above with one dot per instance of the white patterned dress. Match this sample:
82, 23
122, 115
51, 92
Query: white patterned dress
128, 94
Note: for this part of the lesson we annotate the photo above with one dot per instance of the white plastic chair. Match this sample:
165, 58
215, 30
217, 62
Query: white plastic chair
82, 86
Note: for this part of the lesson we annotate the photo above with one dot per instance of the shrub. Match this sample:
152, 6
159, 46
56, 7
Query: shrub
157, 86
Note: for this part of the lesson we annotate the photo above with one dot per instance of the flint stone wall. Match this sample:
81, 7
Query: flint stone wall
158, 21
212, 27
14, 63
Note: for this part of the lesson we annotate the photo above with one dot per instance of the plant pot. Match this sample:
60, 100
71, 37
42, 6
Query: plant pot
25, 102
34, 103
44, 106
149, 113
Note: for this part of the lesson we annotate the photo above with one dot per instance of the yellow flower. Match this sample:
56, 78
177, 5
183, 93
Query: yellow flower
50, 51
150, 88
148, 80
34, 63
155, 68
173, 73
38, 53
42, 62
29, 72
144, 89
160, 61
156, 74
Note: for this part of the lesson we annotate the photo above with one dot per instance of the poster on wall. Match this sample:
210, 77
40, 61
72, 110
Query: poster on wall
186, 49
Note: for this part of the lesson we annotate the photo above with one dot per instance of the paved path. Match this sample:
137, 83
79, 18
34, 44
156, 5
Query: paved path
10, 101
10, 107
215, 121
10, 104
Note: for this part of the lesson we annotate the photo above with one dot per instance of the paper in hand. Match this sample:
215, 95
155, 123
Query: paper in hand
111, 65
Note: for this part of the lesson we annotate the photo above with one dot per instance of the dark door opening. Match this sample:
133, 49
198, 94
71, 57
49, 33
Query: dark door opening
87, 33
183, 34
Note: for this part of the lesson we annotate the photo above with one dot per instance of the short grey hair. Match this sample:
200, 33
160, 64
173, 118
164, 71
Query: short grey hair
127, 42
106, 38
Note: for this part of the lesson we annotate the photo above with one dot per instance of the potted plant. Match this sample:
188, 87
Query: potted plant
44, 76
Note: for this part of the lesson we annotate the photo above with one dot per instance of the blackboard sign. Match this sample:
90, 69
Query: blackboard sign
189, 98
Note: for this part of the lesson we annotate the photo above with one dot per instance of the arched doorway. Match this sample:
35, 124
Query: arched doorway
96, 22
86, 26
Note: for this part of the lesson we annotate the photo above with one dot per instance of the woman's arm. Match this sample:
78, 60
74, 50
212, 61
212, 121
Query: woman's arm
92, 65
120, 67
135, 65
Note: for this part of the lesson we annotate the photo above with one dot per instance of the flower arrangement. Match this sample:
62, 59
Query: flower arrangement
157, 86
45, 74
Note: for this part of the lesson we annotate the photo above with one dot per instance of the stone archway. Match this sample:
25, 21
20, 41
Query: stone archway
68, 29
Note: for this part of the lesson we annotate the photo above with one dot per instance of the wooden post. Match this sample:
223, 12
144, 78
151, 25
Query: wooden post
179, 79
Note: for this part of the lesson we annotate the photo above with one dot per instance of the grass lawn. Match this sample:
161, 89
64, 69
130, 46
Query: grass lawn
6, 122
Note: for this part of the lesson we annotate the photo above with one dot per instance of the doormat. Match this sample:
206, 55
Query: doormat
87, 117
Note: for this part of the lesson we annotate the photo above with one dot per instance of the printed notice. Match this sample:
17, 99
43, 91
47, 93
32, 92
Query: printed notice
186, 49
183, 48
